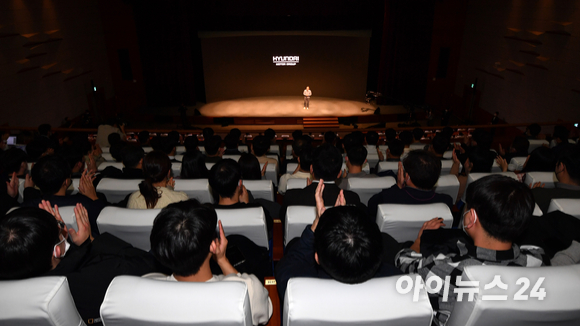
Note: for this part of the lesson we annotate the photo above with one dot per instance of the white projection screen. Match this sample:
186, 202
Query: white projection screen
240, 64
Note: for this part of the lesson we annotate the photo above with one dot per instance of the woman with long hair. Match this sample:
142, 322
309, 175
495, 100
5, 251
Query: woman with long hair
193, 166
250, 167
156, 191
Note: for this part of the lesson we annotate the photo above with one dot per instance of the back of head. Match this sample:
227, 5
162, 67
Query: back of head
440, 143
348, 244
390, 135
236, 133
212, 145
306, 158
193, 166
326, 162
483, 138
503, 205
116, 151
521, 144
396, 147
570, 157
132, 155
270, 134
157, 143
423, 168
357, 155
168, 144
348, 142
249, 167
372, 138
156, 166
260, 145
561, 133
27, 239
113, 138
541, 159
191, 143
181, 236
330, 137
174, 136
224, 177
296, 134
73, 156
534, 129
359, 137
447, 132
418, 133
406, 137
482, 160
207, 132
35, 149
143, 137
12, 160
231, 141
299, 143
49, 173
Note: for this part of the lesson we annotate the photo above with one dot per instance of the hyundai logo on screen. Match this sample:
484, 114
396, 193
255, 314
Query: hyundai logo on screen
291, 60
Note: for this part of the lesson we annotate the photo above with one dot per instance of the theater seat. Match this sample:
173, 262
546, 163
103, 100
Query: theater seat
195, 188
446, 166
570, 206
517, 163
547, 178
117, 189
232, 157
535, 143
537, 211
560, 306
108, 157
367, 187
386, 166
271, 172
136, 301
417, 146
131, 225
310, 301
449, 185
476, 176
249, 222
176, 169
297, 218
403, 222
38, 301
260, 188
104, 165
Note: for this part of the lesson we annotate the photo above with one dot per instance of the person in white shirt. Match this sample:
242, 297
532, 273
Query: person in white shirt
302, 170
184, 239
307, 93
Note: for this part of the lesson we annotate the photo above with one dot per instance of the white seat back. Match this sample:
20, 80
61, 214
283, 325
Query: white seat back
195, 188
289, 151
478, 175
448, 155
178, 157
547, 178
517, 163
296, 183
179, 149
38, 301
416, 146
367, 187
560, 306
108, 157
537, 211
274, 149
271, 172
386, 166
133, 301
117, 189
104, 165
446, 166
249, 222
131, 225
106, 149
311, 301
232, 156
535, 143
403, 222
260, 188
201, 149
243, 148
570, 206
449, 185
291, 167
297, 218
176, 169
147, 149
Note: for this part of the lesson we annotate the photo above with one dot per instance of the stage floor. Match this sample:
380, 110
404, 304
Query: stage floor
288, 106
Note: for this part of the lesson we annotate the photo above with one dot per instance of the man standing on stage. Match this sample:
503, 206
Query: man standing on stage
307, 93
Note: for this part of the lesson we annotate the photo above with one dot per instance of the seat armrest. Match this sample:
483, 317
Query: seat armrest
270, 285
278, 240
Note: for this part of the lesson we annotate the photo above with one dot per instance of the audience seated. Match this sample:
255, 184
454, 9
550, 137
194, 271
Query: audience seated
533, 131
156, 191
519, 148
497, 211
342, 244
184, 240
213, 149
568, 175
250, 167
298, 144
356, 157
478, 160
261, 146
541, 159
14, 160
439, 145
418, 134
168, 146
52, 175
302, 171
560, 141
207, 134
191, 144
117, 126
143, 138
193, 166
407, 138
231, 142
35, 242
132, 158
416, 178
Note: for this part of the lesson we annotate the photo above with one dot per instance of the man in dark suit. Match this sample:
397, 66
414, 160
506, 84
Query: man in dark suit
326, 166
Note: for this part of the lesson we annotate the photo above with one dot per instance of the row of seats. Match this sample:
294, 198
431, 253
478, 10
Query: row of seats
135, 301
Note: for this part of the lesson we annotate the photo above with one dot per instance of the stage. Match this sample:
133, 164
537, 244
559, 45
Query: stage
291, 107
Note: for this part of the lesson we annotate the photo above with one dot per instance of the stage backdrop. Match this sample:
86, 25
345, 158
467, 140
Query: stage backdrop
240, 64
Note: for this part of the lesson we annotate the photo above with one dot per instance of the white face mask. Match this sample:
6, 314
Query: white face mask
66, 247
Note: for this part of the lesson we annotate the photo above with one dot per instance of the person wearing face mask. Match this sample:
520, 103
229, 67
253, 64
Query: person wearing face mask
498, 210
416, 178
36, 242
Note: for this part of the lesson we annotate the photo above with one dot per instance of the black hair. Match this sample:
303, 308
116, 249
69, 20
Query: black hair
181, 236
156, 143
521, 144
35, 149
49, 173
357, 155
249, 167
306, 158
440, 143
348, 244
236, 133
570, 157
224, 177
423, 168
372, 138
212, 145
270, 134
116, 151
348, 142
168, 144
483, 138
113, 138
326, 162
482, 160
143, 137
406, 137
12, 160
418, 133
504, 206
193, 166
541, 159
156, 167
72, 156
359, 137
560, 132
396, 147
534, 129
330, 137
174, 136
447, 132
27, 239
207, 133
260, 145
296, 134
390, 134
132, 155
231, 141
191, 144
299, 143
